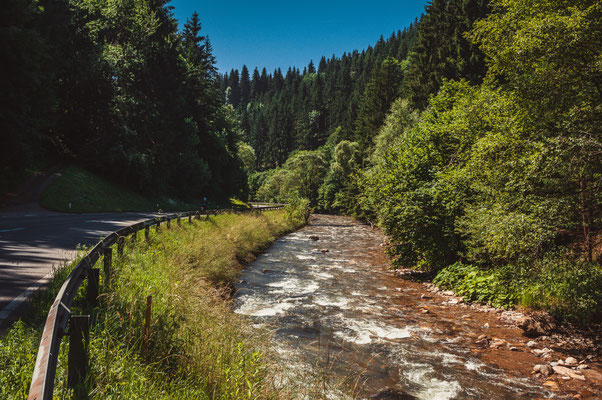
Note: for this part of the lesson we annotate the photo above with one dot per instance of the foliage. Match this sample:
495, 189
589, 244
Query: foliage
442, 52
339, 190
569, 288
381, 91
301, 176
496, 287
298, 209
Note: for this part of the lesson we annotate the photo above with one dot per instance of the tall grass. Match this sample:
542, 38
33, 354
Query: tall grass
198, 348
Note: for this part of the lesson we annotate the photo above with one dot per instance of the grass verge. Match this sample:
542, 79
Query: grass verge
78, 190
198, 348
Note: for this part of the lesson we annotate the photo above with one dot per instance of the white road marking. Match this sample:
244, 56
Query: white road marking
23, 297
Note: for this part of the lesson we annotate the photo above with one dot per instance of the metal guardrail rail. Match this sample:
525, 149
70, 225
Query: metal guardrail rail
42, 382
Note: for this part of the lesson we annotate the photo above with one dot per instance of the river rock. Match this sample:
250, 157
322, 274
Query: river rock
448, 293
324, 250
568, 372
541, 352
570, 361
495, 343
531, 344
536, 324
314, 238
544, 369
583, 366
392, 394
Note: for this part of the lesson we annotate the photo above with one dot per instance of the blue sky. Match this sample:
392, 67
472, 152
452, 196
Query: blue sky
275, 34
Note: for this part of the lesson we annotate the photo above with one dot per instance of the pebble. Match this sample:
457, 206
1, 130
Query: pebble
425, 296
583, 366
486, 326
570, 361
543, 369
448, 293
531, 344
541, 352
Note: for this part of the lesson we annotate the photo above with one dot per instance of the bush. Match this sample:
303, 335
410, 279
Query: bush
298, 210
498, 287
568, 288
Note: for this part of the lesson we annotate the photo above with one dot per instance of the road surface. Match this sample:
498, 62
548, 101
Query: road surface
32, 243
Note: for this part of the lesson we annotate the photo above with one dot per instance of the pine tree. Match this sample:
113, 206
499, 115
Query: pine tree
234, 85
245, 87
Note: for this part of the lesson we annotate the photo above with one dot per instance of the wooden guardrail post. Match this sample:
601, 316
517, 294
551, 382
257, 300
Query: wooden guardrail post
158, 226
179, 221
93, 277
147, 233
79, 336
134, 237
120, 241
108, 258
190, 218
168, 223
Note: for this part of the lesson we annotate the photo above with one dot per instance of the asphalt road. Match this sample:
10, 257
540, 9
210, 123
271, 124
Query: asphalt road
31, 244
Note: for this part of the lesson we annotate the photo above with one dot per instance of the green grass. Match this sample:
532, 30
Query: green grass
78, 191
198, 348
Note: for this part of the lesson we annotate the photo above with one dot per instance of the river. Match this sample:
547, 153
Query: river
333, 303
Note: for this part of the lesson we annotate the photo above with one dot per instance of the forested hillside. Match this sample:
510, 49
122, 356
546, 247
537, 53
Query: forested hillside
118, 88
473, 137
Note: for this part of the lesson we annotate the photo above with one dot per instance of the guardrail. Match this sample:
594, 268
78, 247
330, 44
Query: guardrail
42, 382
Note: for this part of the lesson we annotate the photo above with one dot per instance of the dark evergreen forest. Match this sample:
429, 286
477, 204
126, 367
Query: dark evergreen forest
116, 87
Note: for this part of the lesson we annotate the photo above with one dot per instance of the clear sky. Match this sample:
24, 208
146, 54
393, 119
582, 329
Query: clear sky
275, 34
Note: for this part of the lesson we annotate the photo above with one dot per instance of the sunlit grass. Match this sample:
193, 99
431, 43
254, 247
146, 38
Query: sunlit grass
198, 348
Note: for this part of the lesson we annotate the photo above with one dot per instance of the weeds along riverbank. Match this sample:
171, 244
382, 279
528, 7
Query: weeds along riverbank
197, 347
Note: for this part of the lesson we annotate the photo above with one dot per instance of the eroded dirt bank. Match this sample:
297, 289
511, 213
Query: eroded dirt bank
330, 296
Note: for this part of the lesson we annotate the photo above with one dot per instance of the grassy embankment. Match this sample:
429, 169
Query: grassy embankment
198, 347
87, 192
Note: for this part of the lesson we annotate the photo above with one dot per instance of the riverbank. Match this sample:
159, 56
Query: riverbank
197, 348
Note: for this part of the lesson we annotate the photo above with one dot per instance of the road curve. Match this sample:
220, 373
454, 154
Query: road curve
31, 244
